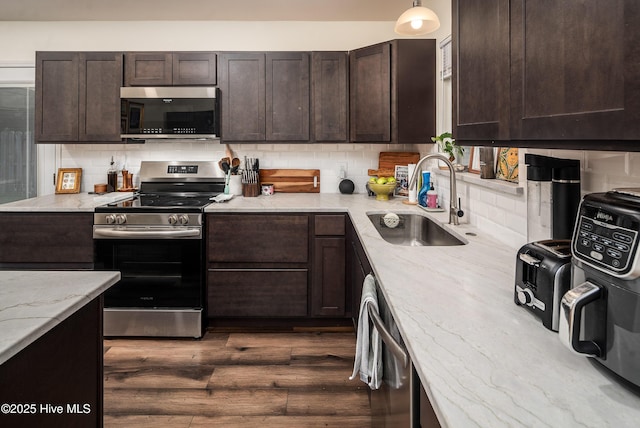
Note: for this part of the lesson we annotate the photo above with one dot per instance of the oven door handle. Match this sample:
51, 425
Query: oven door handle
118, 233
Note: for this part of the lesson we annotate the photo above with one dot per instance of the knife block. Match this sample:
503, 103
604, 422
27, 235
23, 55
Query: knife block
250, 189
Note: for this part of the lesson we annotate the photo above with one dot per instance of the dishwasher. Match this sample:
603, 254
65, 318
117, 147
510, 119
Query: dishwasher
400, 401
393, 404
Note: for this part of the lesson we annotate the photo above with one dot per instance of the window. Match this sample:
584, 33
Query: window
18, 153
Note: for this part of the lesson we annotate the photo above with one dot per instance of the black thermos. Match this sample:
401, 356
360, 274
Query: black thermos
566, 198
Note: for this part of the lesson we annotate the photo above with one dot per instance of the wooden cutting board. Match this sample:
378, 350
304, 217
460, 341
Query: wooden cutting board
292, 180
388, 160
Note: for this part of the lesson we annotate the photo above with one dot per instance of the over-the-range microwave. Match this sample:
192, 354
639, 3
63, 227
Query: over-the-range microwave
170, 112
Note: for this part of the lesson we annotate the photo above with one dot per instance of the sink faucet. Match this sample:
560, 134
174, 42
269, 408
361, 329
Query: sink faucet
454, 208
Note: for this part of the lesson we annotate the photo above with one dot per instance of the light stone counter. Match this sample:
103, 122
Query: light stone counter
34, 302
74, 202
483, 361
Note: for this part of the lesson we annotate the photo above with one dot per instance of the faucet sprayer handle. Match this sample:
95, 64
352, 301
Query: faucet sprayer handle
459, 213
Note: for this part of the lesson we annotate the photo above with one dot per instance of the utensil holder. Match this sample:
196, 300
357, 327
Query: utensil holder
250, 189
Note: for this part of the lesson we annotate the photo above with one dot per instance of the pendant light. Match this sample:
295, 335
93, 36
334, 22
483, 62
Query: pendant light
417, 21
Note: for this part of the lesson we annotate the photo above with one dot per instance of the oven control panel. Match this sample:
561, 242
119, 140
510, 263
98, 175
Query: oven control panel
182, 169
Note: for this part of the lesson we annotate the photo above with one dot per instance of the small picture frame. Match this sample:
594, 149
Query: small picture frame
474, 160
68, 180
507, 164
402, 178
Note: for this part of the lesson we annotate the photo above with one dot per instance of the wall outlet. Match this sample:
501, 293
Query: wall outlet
342, 168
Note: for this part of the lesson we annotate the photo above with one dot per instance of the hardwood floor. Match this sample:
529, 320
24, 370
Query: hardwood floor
235, 379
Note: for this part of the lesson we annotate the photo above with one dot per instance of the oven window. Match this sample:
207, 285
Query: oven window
154, 273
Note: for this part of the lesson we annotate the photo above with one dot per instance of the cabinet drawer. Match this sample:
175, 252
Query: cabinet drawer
330, 225
257, 292
261, 238
61, 239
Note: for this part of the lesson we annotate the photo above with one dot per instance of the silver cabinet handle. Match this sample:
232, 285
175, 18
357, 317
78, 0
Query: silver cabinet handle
396, 349
570, 317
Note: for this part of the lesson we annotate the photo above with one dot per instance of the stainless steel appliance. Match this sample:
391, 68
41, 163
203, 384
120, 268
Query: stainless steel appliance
170, 112
543, 275
600, 314
392, 405
156, 241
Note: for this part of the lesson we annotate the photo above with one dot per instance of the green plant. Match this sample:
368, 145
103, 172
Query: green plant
448, 145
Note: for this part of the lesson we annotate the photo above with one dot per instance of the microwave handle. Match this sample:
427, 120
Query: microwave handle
571, 307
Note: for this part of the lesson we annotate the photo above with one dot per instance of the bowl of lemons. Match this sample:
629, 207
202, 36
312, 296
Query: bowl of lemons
382, 187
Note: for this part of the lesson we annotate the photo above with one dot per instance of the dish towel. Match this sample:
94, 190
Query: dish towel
368, 360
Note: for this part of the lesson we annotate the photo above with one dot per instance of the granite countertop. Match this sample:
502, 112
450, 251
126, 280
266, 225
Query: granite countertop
74, 202
34, 302
483, 361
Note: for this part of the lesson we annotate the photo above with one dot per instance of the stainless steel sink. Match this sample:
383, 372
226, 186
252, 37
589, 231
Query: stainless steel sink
412, 230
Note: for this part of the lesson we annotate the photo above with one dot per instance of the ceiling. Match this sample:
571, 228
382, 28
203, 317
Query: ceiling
204, 10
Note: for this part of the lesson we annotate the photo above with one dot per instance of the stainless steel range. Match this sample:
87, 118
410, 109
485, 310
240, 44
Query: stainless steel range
155, 240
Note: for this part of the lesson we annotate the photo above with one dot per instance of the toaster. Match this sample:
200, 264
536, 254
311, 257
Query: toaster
543, 275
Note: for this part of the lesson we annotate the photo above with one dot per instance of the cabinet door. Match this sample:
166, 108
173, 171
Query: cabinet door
330, 106
480, 59
287, 96
261, 238
370, 90
148, 69
194, 68
575, 70
413, 92
65, 367
328, 283
100, 77
56, 96
257, 292
56, 240
242, 83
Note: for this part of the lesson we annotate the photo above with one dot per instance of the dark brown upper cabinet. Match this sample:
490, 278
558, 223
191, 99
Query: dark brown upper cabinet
330, 96
242, 87
78, 96
573, 76
170, 68
265, 96
575, 70
480, 59
288, 86
393, 92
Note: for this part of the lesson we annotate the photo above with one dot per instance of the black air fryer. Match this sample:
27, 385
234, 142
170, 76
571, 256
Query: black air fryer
543, 268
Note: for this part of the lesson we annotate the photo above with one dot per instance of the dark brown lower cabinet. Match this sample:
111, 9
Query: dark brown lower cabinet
57, 380
55, 240
328, 283
275, 265
257, 292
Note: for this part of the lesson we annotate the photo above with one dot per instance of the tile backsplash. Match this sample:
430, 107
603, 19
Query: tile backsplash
503, 214
355, 159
